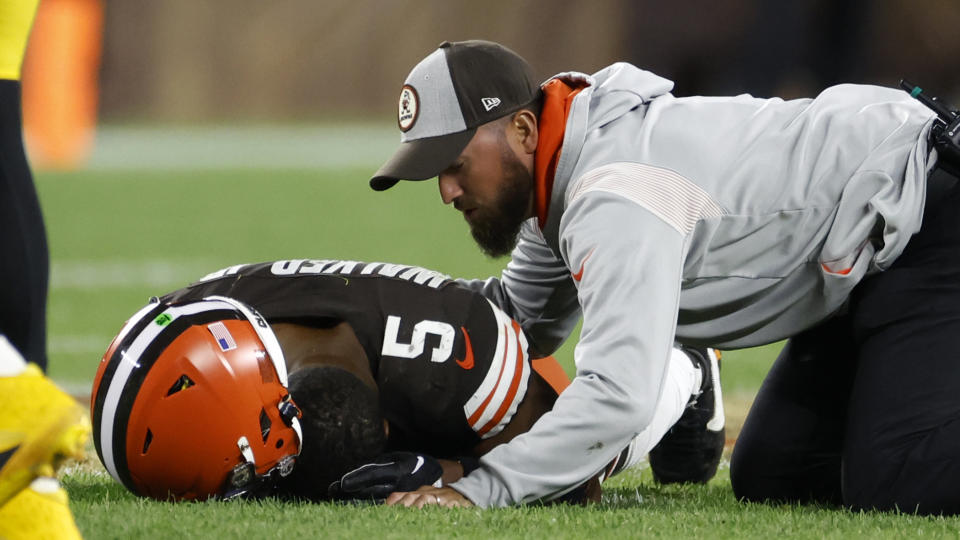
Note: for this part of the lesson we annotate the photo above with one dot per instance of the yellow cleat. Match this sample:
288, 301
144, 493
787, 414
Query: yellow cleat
40, 426
39, 512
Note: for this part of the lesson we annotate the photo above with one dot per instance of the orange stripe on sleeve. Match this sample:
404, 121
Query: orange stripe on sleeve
483, 406
512, 392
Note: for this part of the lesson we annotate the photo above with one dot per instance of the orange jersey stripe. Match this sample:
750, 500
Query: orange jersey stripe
483, 406
512, 392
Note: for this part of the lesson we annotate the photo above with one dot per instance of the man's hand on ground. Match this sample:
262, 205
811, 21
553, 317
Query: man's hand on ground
428, 495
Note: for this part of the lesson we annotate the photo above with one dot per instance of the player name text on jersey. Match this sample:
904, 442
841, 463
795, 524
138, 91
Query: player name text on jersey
294, 267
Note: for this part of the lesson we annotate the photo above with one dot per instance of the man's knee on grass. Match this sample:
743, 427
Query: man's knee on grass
760, 472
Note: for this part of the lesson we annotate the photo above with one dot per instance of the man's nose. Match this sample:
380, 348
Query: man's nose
449, 188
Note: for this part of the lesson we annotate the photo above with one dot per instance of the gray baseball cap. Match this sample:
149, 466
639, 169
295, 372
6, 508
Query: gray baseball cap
451, 92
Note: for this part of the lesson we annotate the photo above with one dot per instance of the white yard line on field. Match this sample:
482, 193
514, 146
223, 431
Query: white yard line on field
87, 344
112, 274
218, 147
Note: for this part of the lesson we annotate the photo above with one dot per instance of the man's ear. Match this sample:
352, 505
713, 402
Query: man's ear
525, 126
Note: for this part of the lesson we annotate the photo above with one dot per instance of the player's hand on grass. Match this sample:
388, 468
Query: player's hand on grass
395, 471
428, 495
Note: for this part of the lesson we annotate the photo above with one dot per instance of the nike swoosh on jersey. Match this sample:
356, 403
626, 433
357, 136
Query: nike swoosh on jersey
420, 462
579, 275
467, 362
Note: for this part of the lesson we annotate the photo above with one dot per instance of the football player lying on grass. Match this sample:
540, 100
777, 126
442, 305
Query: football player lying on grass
399, 378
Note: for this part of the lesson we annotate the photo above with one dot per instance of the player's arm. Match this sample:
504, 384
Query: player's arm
406, 469
539, 399
629, 291
508, 399
535, 290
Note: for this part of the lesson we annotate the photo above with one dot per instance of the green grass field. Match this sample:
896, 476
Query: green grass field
118, 237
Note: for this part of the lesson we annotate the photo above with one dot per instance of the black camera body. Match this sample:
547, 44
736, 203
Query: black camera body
945, 134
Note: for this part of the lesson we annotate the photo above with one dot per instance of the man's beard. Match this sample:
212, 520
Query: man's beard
496, 228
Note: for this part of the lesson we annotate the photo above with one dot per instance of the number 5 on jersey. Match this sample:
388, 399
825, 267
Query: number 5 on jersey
393, 347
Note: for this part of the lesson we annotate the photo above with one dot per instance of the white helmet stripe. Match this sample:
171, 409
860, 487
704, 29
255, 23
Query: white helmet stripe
132, 323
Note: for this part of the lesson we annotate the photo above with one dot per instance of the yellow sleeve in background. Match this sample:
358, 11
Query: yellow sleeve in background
16, 16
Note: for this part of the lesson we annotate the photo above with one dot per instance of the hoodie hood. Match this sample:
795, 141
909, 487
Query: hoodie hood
616, 89
608, 94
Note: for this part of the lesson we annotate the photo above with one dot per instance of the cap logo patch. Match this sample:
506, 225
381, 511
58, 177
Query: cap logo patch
408, 108
490, 103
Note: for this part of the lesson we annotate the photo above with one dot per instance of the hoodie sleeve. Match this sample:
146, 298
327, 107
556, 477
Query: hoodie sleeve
627, 263
535, 289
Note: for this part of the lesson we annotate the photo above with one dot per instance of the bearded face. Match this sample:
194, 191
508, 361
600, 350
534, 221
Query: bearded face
491, 183
495, 226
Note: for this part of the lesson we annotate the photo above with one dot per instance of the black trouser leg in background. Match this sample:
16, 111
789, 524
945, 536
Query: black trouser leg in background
789, 449
24, 261
889, 438
902, 445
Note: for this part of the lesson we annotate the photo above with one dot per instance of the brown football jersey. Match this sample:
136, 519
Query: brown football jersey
450, 367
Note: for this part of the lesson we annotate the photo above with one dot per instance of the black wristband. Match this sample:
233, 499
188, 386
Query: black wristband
469, 464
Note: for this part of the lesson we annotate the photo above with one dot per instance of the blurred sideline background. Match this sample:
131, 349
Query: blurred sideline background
140, 62
174, 138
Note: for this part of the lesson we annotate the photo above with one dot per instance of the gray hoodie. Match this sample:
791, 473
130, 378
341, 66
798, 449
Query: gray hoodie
730, 222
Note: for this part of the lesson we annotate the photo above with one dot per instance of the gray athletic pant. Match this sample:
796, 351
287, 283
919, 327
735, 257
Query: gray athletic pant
864, 409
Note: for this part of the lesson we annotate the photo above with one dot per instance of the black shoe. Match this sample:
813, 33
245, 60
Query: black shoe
690, 451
